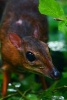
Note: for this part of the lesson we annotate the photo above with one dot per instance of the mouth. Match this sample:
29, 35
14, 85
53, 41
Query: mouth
54, 73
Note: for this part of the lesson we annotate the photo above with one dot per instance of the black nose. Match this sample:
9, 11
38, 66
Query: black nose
55, 74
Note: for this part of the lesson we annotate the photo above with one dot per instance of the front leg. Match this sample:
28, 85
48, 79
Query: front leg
6, 80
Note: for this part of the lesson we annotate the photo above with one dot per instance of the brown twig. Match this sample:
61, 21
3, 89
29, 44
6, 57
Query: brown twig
22, 94
59, 88
58, 19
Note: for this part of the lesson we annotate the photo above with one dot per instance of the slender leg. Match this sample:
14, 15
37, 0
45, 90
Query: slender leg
43, 81
6, 79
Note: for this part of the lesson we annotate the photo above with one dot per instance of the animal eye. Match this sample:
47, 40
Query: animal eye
30, 56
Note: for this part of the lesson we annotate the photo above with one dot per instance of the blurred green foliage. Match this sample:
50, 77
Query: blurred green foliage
29, 89
54, 9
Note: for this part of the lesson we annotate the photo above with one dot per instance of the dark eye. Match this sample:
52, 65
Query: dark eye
30, 56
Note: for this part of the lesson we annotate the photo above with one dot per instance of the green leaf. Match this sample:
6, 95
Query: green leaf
63, 27
48, 93
32, 97
51, 8
64, 75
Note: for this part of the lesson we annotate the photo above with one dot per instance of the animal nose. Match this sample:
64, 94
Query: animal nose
55, 74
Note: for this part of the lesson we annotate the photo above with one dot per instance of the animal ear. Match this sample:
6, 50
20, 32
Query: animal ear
36, 32
15, 40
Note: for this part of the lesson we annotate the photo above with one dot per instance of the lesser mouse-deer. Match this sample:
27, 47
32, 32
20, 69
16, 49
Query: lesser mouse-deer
23, 36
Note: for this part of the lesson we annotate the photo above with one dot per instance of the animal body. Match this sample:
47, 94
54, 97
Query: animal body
23, 36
